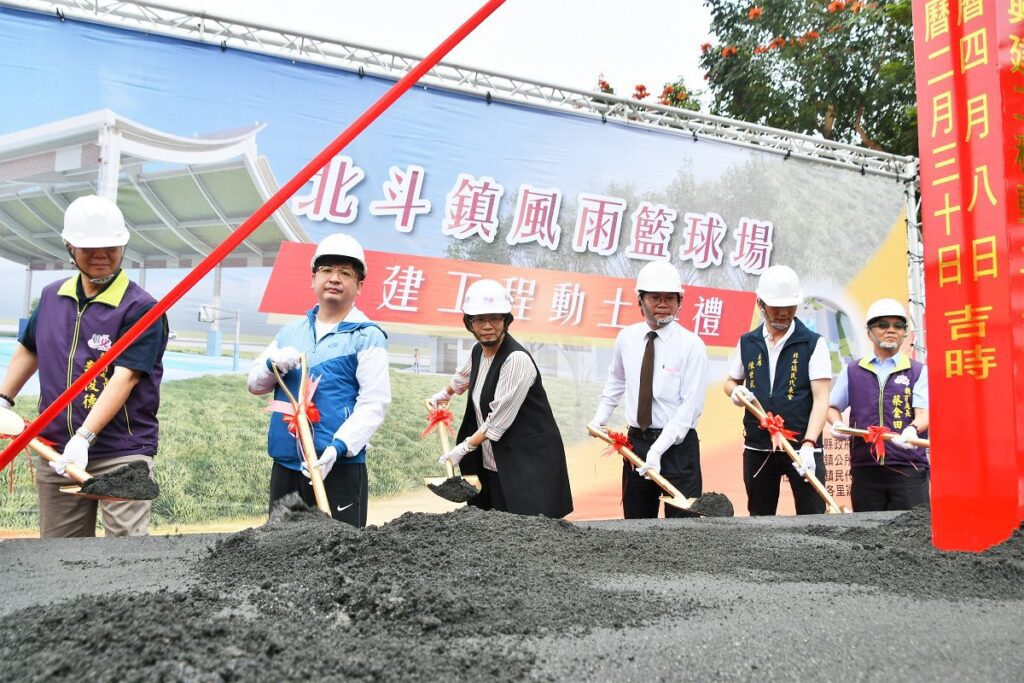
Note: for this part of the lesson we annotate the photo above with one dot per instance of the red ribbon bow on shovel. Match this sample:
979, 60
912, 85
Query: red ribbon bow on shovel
776, 428
436, 417
876, 437
619, 441
305, 406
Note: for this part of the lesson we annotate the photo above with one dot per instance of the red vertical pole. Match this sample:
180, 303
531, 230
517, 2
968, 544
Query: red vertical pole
970, 175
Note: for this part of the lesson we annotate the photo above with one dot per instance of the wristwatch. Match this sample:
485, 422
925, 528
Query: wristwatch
90, 437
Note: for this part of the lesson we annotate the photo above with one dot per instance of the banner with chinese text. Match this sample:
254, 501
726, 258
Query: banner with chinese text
446, 188
969, 83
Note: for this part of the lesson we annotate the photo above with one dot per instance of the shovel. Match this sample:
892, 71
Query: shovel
305, 435
453, 487
12, 424
673, 496
831, 506
920, 443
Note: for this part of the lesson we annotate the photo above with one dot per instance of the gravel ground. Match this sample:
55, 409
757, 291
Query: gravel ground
471, 595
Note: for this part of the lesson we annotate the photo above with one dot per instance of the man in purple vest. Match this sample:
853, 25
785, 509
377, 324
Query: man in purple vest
113, 421
886, 388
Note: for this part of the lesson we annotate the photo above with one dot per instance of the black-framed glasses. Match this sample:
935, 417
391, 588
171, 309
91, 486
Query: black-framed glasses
885, 324
482, 320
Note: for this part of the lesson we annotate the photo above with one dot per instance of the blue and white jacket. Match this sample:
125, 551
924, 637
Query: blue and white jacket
354, 390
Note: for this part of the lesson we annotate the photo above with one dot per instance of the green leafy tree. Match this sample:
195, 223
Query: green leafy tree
842, 69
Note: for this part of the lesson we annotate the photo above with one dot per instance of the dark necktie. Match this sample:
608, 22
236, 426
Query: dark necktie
646, 399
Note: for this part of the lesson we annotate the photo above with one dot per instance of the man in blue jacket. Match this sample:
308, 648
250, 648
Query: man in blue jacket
349, 354
113, 421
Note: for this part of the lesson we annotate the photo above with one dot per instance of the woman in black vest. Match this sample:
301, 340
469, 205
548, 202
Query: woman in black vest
509, 437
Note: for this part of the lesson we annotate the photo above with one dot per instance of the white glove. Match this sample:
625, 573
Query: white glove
4, 403
456, 454
76, 452
840, 436
806, 464
652, 464
324, 463
901, 440
594, 424
286, 359
440, 397
741, 391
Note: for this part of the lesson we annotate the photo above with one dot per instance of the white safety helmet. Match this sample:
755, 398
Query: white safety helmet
340, 244
886, 308
659, 276
780, 286
486, 296
93, 222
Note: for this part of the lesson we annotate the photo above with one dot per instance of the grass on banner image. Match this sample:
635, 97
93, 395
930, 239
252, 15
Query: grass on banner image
212, 465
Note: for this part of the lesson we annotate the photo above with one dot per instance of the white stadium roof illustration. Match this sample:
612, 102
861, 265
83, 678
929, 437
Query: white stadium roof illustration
181, 196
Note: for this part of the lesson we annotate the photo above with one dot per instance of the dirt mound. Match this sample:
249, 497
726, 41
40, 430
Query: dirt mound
714, 505
457, 596
131, 481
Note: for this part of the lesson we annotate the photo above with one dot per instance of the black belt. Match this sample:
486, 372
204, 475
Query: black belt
644, 434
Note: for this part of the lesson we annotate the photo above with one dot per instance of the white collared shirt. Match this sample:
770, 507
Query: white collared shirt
680, 380
818, 367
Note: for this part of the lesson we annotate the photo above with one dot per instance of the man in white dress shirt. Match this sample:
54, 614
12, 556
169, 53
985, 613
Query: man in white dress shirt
660, 369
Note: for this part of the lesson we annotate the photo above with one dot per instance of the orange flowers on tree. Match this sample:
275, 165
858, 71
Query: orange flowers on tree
755, 13
836, 6
730, 51
640, 92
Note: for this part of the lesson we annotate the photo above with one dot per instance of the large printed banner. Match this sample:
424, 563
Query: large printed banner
446, 188
970, 78
419, 290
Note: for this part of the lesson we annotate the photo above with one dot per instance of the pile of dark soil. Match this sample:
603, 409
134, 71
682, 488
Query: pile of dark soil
456, 596
714, 505
131, 481
455, 489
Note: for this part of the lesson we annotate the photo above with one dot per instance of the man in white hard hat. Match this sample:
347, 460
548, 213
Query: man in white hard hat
660, 369
349, 354
113, 422
509, 437
786, 367
888, 389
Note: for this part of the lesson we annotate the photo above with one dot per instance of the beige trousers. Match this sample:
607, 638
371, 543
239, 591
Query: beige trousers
65, 516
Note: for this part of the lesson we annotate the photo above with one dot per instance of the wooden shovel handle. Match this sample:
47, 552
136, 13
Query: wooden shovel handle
920, 443
442, 431
305, 435
833, 507
47, 453
635, 460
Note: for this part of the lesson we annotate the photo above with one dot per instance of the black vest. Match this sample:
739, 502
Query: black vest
529, 455
791, 396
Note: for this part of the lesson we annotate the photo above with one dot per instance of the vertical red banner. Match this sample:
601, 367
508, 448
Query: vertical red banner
971, 156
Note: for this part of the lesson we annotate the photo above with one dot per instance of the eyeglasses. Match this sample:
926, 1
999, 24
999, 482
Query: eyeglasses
885, 324
341, 271
482, 320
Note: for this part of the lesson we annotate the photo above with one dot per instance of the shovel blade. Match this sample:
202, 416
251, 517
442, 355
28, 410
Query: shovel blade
76, 490
681, 504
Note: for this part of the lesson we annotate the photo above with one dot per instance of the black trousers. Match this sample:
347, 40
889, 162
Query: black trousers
346, 487
762, 476
875, 488
680, 464
491, 496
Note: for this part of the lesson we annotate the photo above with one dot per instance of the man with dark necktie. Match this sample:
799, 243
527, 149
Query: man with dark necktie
660, 369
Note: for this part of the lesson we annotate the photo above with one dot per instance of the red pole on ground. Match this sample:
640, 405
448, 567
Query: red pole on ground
248, 227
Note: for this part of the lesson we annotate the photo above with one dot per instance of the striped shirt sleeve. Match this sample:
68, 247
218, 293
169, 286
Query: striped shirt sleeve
516, 377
